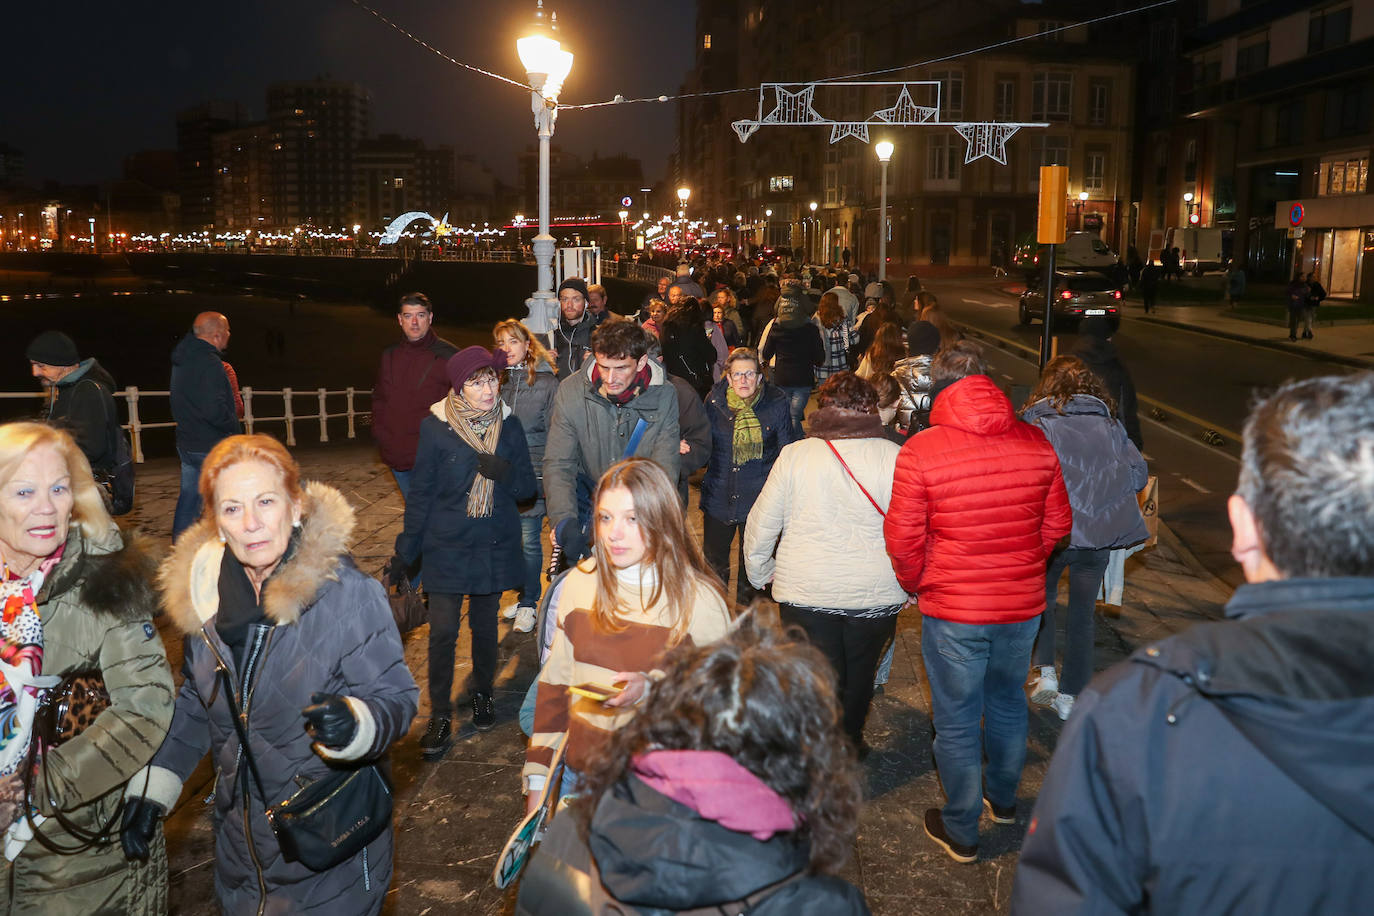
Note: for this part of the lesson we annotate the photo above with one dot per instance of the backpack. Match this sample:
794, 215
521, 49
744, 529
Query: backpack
117, 482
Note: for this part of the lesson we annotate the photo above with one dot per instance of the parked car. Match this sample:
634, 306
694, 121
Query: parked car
1077, 295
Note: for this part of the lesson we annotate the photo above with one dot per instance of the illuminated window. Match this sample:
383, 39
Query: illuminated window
1343, 176
780, 183
706, 41
398, 182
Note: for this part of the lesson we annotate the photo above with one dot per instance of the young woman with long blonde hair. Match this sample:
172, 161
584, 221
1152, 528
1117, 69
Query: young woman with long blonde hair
528, 384
645, 589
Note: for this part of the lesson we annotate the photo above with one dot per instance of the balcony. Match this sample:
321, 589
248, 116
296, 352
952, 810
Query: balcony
1336, 64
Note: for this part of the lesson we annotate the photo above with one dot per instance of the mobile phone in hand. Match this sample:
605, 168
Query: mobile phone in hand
599, 692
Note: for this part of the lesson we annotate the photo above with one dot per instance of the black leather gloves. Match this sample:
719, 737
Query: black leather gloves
139, 826
493, 467
330, 720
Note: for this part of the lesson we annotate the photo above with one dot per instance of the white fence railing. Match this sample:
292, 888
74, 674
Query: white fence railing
647, 273
319, 410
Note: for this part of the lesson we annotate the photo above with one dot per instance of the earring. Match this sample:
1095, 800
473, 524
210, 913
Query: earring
221, 537
296, 523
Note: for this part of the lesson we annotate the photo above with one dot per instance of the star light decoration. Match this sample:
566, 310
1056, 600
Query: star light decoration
793, 106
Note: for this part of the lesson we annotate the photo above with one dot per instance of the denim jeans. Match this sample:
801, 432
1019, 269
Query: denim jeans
402, 482
188, 500
796, 406
1086, 568
532, 543
975, 673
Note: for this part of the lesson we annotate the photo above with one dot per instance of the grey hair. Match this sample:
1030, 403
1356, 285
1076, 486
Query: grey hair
1307, 474
742, 353
958, 360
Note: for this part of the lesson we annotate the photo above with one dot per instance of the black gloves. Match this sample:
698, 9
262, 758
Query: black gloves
493, 467
330, 721
139, 827
572, 539
396, 572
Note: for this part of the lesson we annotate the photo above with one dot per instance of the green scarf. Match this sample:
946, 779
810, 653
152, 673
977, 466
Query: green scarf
748, 432
480, 429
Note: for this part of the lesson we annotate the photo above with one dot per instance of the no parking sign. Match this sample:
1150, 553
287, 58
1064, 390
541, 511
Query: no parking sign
1295, 214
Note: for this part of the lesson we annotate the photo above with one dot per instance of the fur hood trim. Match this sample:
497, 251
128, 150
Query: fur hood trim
114, 574
189, 579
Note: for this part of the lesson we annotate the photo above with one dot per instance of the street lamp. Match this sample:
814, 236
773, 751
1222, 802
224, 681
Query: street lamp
767, 215
884, 150
1082, 199
815, 228
682, 195
546, 67
624, 215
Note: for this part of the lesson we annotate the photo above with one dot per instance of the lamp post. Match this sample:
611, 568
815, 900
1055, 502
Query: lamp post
884, 150
624, 215
682, 195
1082, 199
767, 215
815, 230
546, 67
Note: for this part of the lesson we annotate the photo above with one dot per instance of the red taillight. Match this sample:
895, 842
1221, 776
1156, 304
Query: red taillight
1066, 294
1116, 294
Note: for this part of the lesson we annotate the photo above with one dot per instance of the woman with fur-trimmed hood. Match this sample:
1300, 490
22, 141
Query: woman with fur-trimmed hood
78, 598
263, 586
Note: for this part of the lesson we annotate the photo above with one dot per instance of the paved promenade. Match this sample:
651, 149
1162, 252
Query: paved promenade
453, 816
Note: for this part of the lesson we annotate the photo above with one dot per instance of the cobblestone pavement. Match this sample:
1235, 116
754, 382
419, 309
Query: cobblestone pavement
452, 817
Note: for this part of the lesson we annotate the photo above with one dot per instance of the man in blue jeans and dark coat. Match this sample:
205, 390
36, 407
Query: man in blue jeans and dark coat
978, 504
202, 405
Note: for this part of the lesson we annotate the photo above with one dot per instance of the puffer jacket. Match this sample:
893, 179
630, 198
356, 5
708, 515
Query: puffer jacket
461, 555
830, 554
978, 504
728, 490
587, 434
1225, 769
1102, 468
532, 405
656, 855
97, 606
329, 630
912, 376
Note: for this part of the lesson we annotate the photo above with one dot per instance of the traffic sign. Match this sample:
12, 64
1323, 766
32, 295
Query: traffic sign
1295, 214
626, 201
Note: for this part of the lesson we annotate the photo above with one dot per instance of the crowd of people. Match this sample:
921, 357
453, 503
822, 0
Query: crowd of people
710, 750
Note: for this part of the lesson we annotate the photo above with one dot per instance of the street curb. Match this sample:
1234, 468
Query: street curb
1318, 355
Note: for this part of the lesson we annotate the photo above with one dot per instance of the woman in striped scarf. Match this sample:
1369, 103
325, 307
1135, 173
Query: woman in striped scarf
462, 526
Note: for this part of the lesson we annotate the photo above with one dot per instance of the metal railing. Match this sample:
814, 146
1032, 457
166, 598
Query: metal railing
647, 273
290, 416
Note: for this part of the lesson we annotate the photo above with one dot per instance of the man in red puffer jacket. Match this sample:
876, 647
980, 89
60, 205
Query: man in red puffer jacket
978, 503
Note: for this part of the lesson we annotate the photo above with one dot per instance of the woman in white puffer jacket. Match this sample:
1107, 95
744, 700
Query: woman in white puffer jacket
825, 498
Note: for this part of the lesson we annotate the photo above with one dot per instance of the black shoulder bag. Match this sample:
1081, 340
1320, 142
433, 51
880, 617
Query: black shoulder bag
329, 821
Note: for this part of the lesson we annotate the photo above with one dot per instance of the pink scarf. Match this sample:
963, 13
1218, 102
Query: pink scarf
713, 785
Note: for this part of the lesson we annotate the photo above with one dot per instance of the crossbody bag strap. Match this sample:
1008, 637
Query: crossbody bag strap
861, 487
633, 445
240, 729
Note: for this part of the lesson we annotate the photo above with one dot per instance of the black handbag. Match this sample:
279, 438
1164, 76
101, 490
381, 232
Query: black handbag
333, 818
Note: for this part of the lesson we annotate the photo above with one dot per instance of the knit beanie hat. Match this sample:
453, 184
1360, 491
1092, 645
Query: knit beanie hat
576, 283
467, 361
53, 348
922, 338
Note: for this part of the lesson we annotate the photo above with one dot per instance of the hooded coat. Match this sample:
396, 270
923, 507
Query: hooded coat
588, 434
656, 855
83, 404
1099, 353
461, 555
978, 504
796, 344
328, 629
97, 607
202, 398
1227, 769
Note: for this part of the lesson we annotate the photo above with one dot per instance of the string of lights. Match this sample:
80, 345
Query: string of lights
622, 100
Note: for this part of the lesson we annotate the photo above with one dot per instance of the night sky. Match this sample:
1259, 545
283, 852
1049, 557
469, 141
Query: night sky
89, 83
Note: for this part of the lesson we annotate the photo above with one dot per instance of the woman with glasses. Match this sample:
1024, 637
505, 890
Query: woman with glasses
462, 527
750, 424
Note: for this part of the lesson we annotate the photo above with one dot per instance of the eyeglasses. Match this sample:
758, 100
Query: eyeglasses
490, 381
744, 376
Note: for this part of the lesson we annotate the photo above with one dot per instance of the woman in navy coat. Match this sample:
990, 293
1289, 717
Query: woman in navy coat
463, 528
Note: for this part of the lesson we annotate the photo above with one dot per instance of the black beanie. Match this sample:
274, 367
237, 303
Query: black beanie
922, 338
53, 348
576, 283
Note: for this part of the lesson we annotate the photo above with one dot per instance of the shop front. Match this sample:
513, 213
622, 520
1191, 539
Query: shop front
1333, 237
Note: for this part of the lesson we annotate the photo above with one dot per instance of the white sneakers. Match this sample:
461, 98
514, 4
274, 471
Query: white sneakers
525, 617
1046, 687
510, 611
1063, 705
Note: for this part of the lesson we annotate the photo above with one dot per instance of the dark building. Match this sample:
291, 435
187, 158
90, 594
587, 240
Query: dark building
398, 174
11, 166
316, 127
196, 128
157, 168
242, 178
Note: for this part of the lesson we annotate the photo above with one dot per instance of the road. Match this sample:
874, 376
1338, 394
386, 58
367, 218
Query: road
1190, 381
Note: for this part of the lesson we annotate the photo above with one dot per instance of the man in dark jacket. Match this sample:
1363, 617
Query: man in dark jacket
202, 405
81, 396
1095, 348
412, 376
571, 337
597, 416
978, 503
1230, 768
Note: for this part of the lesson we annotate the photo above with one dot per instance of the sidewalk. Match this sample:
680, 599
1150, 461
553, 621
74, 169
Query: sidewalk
452, 817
